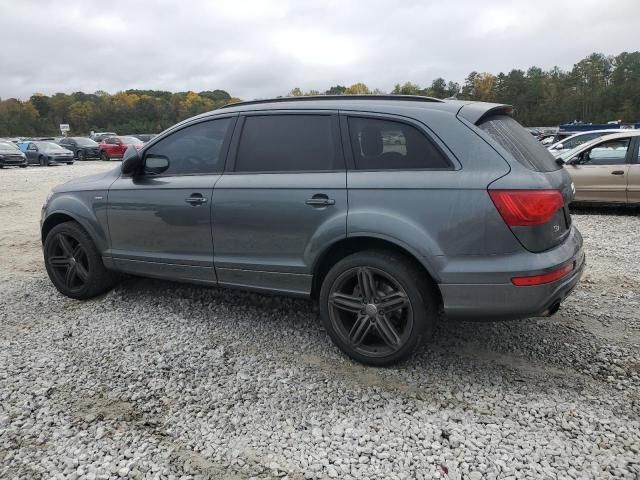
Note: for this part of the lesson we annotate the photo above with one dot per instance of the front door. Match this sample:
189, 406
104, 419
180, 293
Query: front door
160, 221
600, 174
282, 201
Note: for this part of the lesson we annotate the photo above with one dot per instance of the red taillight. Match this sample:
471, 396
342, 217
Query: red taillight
523, 208
542, 279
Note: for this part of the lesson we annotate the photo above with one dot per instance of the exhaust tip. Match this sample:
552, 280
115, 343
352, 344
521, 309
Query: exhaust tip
553, 309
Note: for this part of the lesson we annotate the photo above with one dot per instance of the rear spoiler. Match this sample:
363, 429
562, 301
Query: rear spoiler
475, 112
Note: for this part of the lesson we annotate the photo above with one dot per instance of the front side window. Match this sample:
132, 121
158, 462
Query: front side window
388, 145
196, 149
611, 152
287, 143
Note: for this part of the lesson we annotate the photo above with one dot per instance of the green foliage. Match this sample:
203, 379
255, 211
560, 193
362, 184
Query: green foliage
131, 111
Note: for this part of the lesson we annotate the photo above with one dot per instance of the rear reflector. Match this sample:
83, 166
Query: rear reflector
524, 208
542, 279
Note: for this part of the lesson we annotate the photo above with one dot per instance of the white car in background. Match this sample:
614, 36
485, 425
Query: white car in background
576, 140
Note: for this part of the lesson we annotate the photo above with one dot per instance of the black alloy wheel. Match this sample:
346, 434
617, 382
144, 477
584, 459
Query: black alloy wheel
74, 264
377, 306
68, 261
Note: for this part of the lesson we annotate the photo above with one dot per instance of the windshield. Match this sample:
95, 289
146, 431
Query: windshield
8, 147
48, 146
132, 140
86, 142
570, 153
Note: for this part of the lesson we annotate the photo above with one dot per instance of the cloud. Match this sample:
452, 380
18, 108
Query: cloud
258, 49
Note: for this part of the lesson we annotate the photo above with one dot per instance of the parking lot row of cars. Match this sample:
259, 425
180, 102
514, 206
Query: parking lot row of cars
603, 164
47, 151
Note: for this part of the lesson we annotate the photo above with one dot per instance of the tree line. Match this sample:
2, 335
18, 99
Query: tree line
130, 111
599, 88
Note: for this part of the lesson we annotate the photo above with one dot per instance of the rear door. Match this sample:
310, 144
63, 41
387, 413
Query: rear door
160, 223
281, 200
633, 178
601, 172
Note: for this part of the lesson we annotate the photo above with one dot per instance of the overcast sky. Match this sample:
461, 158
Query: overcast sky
257, 49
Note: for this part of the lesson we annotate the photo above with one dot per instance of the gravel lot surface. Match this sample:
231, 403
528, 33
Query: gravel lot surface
160, 380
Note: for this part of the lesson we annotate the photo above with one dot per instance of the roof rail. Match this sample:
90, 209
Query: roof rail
411, 98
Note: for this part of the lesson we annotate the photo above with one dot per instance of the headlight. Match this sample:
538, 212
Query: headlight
46, 202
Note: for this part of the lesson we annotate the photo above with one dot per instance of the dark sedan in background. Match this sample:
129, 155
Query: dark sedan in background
82, 148
10, 155
47, 153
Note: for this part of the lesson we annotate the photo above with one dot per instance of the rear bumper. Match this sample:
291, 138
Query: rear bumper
505, 301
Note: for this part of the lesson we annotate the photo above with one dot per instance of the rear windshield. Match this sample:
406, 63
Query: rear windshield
524, 147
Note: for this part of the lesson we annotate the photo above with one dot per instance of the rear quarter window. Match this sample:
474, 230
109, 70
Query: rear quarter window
523, 146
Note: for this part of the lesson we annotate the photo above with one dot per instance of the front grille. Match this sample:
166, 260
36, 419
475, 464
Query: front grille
13, 159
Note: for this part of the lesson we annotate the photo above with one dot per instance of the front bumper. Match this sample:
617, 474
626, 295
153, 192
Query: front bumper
13, 162
504, 301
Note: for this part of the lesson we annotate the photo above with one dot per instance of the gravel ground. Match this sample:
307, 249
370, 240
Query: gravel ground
160, 380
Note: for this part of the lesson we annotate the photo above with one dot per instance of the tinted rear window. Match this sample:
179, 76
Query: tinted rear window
387, 145
519, 143
287, 143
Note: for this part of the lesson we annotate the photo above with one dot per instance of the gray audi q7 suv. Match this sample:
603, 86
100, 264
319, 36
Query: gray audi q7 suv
390, 211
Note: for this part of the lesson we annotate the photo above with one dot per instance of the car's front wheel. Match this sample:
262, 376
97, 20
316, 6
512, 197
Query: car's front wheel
80, 155
43, 161
74, 264
104, 157
377, 306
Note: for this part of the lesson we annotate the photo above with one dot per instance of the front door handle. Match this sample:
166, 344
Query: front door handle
320, 200
195, 199
617, 172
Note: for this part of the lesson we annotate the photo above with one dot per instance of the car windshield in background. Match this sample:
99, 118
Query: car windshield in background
132, 140
569, 153
514, 138
8, 147
86, 142
48, 146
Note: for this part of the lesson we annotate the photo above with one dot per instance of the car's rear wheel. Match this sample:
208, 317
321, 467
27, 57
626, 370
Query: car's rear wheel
74, 264
23, 166
377, 307
81, 156
104, 157
43, 161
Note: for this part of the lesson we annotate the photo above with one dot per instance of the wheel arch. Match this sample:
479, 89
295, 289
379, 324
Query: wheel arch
60, 216
357, 243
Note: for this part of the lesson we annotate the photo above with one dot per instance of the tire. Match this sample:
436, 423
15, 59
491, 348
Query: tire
74, 264
362, 329
43, 161
23, 166
80, 155
70, 163
104, 157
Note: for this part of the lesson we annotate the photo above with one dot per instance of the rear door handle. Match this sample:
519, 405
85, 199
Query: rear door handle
320, 200
617, 172
195, 199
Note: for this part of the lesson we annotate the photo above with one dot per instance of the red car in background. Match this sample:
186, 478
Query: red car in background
114, 147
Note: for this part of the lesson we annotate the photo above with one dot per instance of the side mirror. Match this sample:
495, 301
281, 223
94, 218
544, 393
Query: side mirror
559, 146
131, 161
573, 161
155, 164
